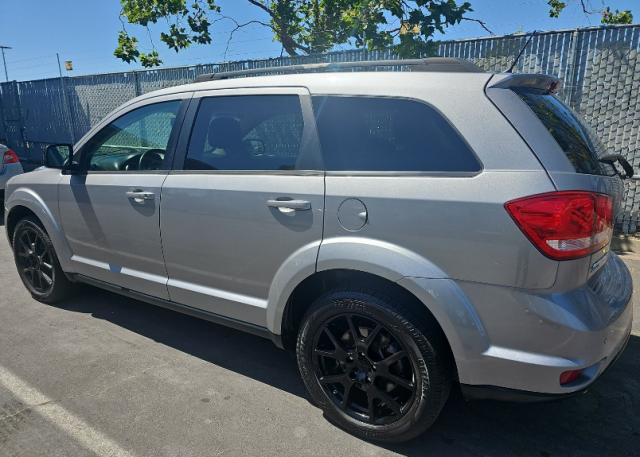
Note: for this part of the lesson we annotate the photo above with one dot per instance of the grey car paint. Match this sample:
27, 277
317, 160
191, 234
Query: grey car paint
239, 240
113, 237
513, 317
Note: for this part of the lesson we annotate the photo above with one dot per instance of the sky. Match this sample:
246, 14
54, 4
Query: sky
85, 32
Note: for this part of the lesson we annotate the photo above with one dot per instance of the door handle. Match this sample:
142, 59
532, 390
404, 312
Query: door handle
140, 196
287, 206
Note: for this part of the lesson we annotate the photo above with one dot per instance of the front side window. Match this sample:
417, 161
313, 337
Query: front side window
387, 134
136, 141
253, 132
579, 144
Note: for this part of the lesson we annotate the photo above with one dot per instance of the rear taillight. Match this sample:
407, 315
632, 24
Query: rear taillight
567, 224
10, 157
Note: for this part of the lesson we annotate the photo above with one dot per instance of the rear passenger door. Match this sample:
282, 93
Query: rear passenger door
245, 194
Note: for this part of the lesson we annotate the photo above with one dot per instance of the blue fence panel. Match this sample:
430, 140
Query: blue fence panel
599, 66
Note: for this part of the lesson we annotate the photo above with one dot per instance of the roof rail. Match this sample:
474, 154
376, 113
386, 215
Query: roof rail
442, 64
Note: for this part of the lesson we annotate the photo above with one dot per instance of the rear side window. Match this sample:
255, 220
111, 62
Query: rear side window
252, 132
386, 134
580, 145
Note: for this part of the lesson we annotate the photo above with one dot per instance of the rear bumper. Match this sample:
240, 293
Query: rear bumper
471, 392
515, 343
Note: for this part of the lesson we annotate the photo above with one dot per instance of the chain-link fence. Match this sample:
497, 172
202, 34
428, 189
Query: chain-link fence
600, 69
599, 66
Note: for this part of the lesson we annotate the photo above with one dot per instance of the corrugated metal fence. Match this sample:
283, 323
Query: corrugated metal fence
600, 68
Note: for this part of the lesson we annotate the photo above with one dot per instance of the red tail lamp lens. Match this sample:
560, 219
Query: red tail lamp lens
565, 225
10, 157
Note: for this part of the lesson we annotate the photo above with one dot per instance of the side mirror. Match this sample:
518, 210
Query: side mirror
57, 156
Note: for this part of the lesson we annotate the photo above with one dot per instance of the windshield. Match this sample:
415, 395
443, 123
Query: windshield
581, 146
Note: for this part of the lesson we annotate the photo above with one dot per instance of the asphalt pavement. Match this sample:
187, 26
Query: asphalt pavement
104, 375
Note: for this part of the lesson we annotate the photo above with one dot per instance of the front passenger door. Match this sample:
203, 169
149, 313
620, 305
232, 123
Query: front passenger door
110, 210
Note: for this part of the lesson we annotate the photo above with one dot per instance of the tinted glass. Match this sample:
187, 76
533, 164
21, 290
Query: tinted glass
261, 132
384, 134
580, 145
136, 141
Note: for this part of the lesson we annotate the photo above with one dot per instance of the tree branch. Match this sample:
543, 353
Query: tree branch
482, 24
153, 45
287, 40
238, 27
262, 7
586, 10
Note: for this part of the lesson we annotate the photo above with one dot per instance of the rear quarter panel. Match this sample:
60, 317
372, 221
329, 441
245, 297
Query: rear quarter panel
457, 224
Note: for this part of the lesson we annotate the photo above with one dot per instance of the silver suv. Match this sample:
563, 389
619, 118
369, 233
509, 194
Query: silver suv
403, 232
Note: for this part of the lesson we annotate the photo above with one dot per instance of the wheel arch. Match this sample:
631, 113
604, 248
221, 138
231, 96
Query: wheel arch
371, 256
371, 263
26, 202
14, 216
317, 284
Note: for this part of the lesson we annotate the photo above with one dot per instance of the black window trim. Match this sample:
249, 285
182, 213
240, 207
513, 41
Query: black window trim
309, 144
432, 174
171, 145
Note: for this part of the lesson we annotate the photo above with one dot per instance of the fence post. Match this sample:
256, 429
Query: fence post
67, 110
572, 68
3, 124
65, 102
136, 83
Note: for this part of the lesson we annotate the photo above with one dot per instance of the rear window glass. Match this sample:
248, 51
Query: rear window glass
578, 142
386, 134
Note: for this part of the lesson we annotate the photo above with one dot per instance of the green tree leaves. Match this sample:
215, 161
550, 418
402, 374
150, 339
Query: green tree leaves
608, 17
556, 7
127, 49
312, 26
619, 17
302, 26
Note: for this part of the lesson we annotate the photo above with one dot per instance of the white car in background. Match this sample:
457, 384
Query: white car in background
9, 167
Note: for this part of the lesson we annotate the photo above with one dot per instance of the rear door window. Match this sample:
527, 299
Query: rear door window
387, 134
578, 142
247, 132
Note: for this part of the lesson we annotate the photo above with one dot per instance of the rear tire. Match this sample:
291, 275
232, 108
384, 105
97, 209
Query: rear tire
374, 368
38, 264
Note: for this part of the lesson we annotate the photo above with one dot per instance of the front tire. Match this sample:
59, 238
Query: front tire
37, 263
374, 368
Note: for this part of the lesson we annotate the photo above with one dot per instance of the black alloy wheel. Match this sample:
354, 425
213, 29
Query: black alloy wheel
377, 366
34, 259
37, 262
364, 368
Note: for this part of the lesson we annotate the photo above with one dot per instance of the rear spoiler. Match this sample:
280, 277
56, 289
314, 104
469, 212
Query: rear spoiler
545, 83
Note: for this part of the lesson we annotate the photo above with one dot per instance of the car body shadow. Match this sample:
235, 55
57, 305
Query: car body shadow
603, 421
